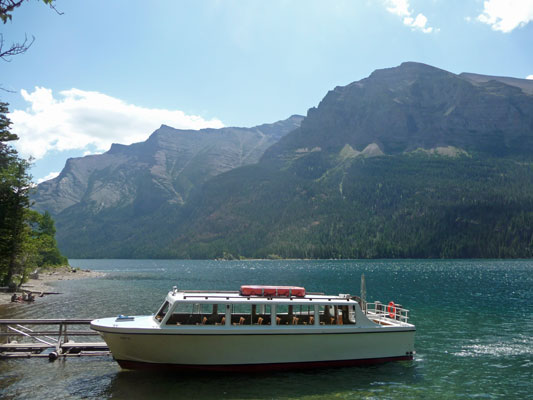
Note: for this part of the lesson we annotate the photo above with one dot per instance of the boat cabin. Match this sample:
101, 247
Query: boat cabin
257, 306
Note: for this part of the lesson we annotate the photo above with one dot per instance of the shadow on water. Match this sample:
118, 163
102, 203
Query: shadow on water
99, 378
352, 382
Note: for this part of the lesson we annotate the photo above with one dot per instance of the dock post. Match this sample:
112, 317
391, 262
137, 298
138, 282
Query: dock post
59, 341
4, 329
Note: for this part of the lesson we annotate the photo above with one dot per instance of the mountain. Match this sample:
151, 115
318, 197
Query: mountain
167, 165
412, 161
136, 180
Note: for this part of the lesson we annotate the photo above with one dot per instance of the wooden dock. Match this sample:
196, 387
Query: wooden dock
50, 338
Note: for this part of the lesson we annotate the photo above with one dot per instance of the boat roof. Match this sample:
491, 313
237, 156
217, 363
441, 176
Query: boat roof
197, 296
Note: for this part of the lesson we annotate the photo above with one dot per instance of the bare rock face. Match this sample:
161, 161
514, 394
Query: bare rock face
416, 106
163, 169
526, 85
372, 150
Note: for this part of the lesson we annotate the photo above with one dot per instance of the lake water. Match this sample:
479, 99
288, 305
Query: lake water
474, 338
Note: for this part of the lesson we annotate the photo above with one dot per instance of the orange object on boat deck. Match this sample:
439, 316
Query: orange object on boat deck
391, 309
272, 291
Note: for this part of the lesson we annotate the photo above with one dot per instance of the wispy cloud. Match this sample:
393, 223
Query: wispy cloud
529, 77
51, 175
506, 15
78, 119
402, 9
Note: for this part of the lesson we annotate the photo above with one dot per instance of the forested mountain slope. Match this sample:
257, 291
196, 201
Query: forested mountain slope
413, 161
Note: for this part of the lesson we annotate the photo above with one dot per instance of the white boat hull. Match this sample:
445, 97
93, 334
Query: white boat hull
274, 348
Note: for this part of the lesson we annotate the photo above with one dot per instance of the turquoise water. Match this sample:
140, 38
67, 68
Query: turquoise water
474, 338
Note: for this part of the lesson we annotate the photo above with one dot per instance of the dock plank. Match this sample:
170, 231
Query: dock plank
24, 346
44, 346
79, 345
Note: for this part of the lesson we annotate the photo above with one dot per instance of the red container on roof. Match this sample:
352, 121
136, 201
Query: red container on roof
272, 291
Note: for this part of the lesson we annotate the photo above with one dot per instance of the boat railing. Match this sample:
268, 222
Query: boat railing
382, 313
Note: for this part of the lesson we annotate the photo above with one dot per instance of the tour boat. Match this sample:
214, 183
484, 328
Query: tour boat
259, 328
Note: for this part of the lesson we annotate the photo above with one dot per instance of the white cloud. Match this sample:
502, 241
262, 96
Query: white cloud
402, 9
77, 119
398, 7
506, 15
529, 77
51, 175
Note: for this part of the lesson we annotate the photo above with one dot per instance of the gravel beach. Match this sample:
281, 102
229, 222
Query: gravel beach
42, 283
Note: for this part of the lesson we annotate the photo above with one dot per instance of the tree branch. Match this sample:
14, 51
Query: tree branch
51, 4
15, 48
7, 7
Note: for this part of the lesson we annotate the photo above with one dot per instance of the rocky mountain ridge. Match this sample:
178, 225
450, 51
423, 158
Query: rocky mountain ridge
526, 85
164, 168
417, 106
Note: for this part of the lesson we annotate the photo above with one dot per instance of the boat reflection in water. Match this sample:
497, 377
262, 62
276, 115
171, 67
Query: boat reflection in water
259, 328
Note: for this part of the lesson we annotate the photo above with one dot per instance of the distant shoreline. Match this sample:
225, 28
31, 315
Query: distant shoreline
42, 283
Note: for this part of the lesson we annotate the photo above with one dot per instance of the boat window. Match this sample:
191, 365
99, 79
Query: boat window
162, 311
250, 314
184, 308
241, 314
348, 315
327, 315
297, 314
336, 315
261, 314
198, 314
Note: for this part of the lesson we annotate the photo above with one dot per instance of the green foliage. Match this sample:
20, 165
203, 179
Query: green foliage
5, 123
14, 186
42, 236
26, 237
8, 6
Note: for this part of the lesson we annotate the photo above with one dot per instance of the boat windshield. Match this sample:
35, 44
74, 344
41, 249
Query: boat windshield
162, 311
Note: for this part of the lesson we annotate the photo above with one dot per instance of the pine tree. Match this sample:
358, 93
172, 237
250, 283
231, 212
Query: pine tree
27, 238
15, 184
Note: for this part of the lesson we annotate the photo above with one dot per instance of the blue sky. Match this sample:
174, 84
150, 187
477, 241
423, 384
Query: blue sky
114, 71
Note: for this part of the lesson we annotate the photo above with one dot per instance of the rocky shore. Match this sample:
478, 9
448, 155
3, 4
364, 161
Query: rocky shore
40, 282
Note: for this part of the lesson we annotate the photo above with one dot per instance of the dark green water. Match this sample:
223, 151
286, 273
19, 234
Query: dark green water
474, 322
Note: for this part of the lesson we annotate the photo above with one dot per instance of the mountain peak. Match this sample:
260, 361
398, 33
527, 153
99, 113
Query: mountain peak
116, 148
418, 66
409, 70
412, 106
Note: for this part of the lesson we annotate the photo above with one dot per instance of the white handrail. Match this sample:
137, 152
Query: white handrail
28, 335
379, 310
30, 330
